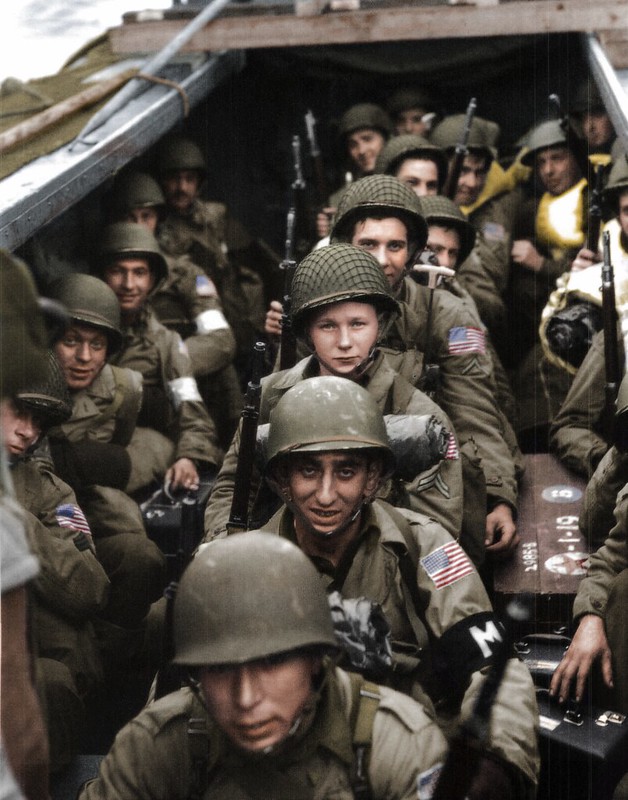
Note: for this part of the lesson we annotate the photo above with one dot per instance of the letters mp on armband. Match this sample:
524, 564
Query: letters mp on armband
447, 564
466, 340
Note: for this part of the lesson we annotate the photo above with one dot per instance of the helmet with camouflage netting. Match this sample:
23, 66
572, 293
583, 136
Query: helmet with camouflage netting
130, 240
249, 597
91, 302
48, 397
410, 145
338, 273
379, 196
443, 211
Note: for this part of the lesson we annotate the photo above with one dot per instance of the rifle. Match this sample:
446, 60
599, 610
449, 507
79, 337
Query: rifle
455, 168
298, 187
594, 218
468, 745
317, 159
576, 143
428, 265
288, 351
611, 353
239, 515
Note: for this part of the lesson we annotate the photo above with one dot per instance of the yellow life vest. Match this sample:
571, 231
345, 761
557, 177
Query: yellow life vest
559, 219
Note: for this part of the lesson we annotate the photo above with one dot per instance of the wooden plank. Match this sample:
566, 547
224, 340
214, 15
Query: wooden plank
415, 22
615, 44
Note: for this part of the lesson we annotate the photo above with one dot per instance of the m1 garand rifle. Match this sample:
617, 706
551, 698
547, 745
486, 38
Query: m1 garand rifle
318, 167
455, 166
239, 514
612, 368
298, 201
577, 144
594, 217
288, 347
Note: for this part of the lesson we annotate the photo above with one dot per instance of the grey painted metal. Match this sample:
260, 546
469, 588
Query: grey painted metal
40, 191
151, 67
613, 85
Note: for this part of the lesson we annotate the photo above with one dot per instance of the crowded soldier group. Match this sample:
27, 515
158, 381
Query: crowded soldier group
416, 312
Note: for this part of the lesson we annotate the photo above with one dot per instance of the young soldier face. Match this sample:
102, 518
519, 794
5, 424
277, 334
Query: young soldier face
257, 704
411, 121
472, 179
597, 129
622, 215
445, 244
20, 429
363, 147
557, 169
386, 240
148, 217
343, 335
327, 489
81, 353
131, 280
180, 188
420, 175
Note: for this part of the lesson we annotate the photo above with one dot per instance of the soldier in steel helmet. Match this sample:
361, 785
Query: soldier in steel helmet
590, 114
217, 244
416, 162
341, 308
186, 301
412, 110
72, 588
267, 713
175, 435
382, 216
326, 467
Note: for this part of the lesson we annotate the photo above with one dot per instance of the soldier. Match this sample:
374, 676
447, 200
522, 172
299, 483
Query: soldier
590, 113
201, 230
341, 307
382, 216
412, 110
175, 435
326, 466
267, 713
414, 161
89, 452
187, 302
72, 588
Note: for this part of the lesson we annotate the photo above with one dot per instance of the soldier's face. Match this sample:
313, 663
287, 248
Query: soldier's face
386, 240
597, 129
180, 189
81, 353
20, 429
131, 280
364, 146
327, 489
472, 179
343, 335
420, 175
257, 704
411, 121
557, 169
148, 217
445, 244
622, 216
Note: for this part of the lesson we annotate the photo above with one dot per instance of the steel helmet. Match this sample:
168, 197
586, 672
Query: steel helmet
617, 179
179, 153
407, 98
341, 415
89, 301
548, 134
587, 99
406, 146
483, 135
442, 211
49, 396
365, 115
128, 240
247, 597
379, 195
135, 190
337, 273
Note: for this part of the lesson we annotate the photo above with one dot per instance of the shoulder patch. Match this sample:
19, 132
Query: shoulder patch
494, 232
462, 340
427, 781
452, 453
70, 516
205, 287
446, 565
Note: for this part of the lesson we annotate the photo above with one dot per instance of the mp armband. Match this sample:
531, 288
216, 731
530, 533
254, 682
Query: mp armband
183, 390
211, 320
467, 647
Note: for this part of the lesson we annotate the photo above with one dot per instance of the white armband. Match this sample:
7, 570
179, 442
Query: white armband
182, 390
211, 320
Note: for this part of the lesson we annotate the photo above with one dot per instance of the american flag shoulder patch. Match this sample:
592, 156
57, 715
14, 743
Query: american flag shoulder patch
466, 340
447, 564
452, 452
205, 287
70, 516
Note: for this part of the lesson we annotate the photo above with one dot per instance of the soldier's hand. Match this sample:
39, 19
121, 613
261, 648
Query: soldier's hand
182, 475
588, 645
272, 325
323, 221
492, 782
525, 253
501, 532
585, 258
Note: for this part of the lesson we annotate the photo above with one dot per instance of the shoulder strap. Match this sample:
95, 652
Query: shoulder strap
364, 704
198, 744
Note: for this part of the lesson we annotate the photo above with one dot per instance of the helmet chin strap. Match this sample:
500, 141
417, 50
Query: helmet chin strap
357, 372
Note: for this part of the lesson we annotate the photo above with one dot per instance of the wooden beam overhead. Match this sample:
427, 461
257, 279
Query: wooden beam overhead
404, 22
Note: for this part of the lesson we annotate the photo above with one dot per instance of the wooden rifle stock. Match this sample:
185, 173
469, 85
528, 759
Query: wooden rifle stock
611, 351
594, 218
455, 167
239, 515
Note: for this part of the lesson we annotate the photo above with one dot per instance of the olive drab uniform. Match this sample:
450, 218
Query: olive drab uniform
432, 643
596, 516
157, 754
172, 422
201, 235
438, 492
604, 592
187, 302
70, 591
